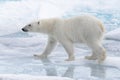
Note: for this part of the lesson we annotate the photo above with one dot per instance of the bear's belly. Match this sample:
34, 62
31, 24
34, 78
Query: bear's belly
76, 38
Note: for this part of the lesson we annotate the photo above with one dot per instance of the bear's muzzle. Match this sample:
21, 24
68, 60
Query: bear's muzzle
25, 30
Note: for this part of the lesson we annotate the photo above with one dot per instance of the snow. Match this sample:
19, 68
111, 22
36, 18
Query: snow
17, 48
113, 35
29, 77
13, 15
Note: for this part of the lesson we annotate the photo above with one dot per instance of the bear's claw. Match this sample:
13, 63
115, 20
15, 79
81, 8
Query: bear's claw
70, 59
102, 58
90, 57
40, 56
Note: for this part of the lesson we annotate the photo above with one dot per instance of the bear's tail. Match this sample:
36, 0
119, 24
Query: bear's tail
101, 26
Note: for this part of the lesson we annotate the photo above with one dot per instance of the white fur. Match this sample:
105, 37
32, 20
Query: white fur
81, 29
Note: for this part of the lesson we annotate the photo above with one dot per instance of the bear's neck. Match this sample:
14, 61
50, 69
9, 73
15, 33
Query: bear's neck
48, 25
47, 30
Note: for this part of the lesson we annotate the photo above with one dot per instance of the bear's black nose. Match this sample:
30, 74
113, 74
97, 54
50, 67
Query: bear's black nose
25, 30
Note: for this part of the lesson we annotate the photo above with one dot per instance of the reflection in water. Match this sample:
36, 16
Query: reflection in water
50, 71
69, 72
96, 70
53, 72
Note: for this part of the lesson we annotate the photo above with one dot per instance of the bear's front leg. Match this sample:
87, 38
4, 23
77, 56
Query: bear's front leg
50, 46
68, 45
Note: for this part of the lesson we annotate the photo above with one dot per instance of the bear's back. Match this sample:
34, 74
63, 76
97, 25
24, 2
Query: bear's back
82, 27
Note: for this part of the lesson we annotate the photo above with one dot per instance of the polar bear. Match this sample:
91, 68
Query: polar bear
80, 29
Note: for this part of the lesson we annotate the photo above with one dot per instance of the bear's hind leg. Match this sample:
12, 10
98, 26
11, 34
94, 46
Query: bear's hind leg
91, 57
99, 51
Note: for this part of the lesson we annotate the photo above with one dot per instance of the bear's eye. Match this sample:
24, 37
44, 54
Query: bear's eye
38, 22
29, 25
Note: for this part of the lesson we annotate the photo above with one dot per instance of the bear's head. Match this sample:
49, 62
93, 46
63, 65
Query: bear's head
32, 27
41, 26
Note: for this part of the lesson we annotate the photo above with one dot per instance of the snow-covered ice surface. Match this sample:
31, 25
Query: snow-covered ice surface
114, 35
29, 77
17, 48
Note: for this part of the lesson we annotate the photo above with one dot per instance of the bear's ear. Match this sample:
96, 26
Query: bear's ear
38, 22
